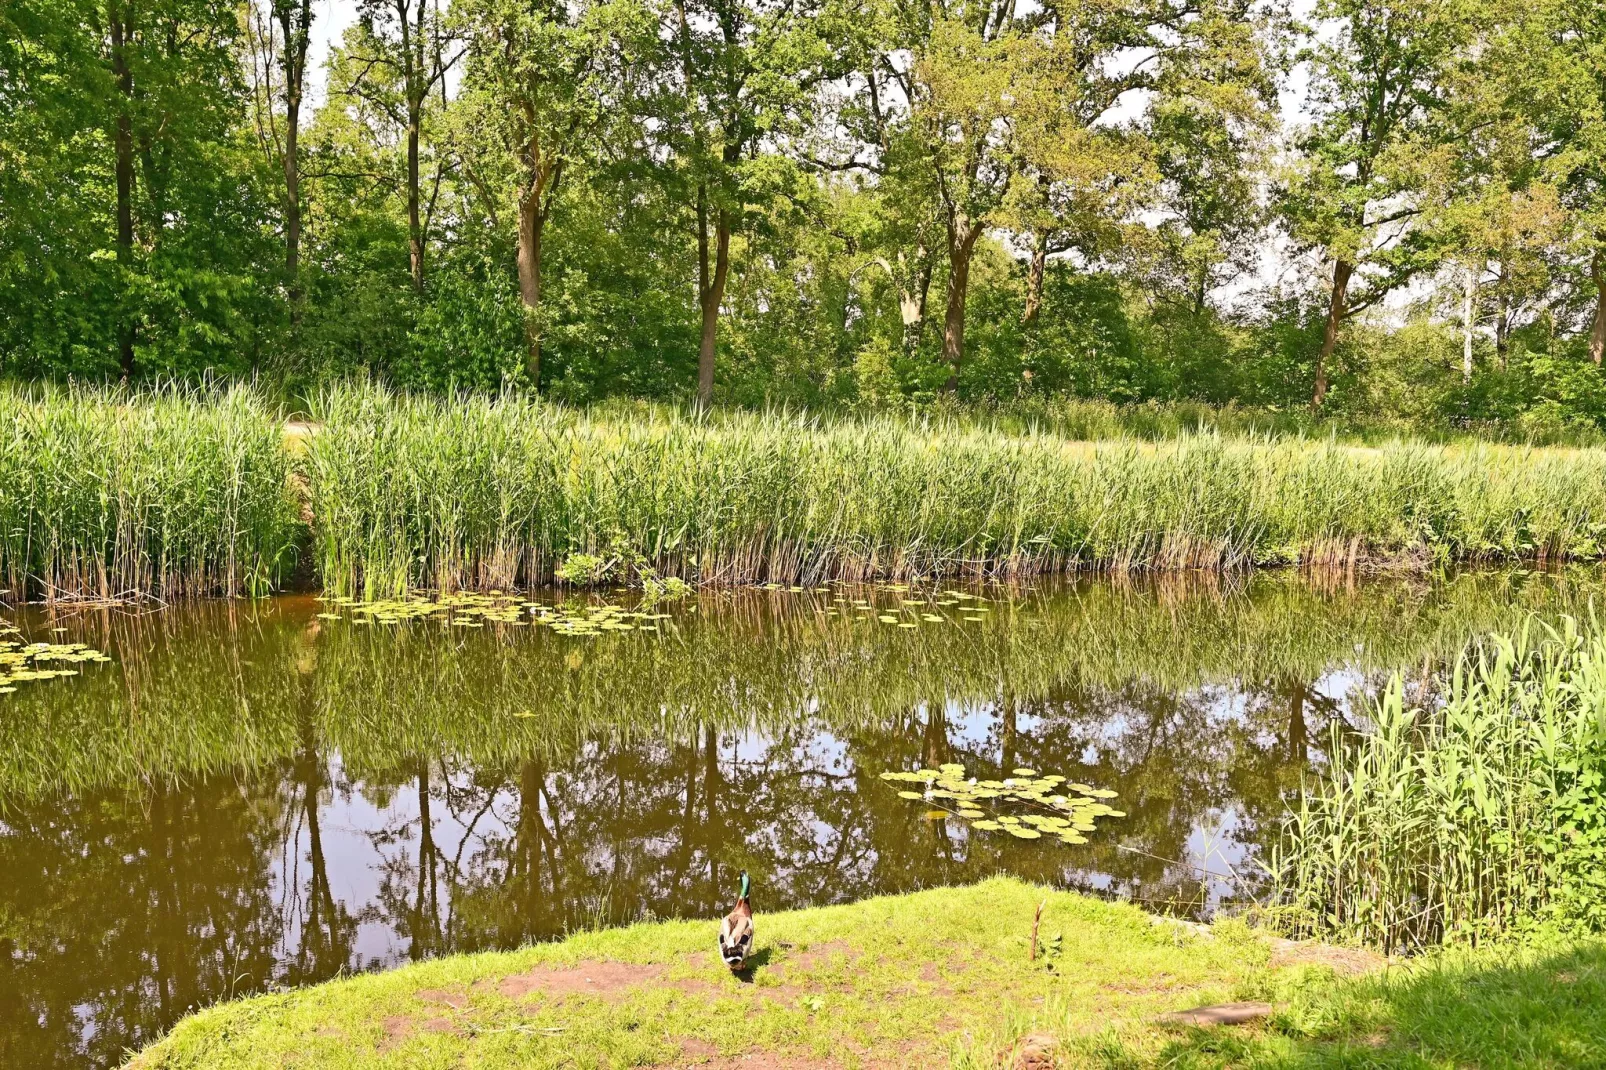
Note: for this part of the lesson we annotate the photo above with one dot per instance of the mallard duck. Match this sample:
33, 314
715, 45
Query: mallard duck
736, 930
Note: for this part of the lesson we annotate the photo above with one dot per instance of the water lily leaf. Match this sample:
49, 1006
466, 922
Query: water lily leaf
937, 815
910, 795
986, 826
1024, 834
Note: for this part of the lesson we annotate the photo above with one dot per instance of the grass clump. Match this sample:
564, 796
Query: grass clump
494, 493
108, 493
1484, 817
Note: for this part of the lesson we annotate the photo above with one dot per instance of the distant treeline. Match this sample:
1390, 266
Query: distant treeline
829, 202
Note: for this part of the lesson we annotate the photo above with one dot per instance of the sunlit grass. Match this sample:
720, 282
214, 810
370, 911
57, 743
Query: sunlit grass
166, 493
474, 492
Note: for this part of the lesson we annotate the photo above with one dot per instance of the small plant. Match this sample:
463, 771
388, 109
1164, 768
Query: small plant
585, 570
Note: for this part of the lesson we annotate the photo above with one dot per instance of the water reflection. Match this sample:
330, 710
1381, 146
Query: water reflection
250, 797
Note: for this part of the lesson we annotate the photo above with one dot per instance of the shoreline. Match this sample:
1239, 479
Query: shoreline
939, 977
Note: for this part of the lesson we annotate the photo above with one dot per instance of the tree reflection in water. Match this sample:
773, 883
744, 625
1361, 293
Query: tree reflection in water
251, 797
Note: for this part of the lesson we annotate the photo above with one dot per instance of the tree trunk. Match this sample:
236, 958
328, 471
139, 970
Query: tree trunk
1296, 722
1502, 325
295, 23
1342, 270
123, 140
710, 291
415, 229
962, 236
1597, 333
1469, 297
531, 221
1034, 279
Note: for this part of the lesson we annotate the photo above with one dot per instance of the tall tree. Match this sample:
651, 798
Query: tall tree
281, 33
1378, 77
988, 98
745, 68
405, 54
543, 79
1558, 50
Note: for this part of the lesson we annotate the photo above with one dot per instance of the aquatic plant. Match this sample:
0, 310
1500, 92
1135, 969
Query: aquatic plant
22, 662
1483, 816
410, 492
1024, 805
166, 493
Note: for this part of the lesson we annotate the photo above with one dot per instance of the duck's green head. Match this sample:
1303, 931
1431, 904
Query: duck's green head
745, 885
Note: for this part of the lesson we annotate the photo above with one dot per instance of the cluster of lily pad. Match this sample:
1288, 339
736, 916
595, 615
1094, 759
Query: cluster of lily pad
24, 662
912, 608
466, 610
1025, 805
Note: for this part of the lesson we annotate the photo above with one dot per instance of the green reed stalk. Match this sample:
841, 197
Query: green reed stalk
1484, 816
480, 492
165, 493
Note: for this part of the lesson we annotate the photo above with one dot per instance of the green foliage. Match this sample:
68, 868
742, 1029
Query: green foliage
166, 493
408, 491
1470, 820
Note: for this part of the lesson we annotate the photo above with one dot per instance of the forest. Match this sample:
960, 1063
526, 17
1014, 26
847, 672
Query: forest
1364, 209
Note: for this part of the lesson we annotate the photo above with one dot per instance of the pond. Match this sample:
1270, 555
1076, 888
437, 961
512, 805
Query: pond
250, 795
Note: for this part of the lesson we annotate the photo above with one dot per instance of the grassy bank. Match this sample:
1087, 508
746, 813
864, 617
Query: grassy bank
938, 978
495, 493
173, 493
185, 493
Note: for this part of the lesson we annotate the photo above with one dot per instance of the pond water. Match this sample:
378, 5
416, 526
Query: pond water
249, 795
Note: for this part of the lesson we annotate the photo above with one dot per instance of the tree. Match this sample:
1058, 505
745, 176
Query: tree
1556, 50
1378, 97
543, 79
746, 67
280, 35
405, 53
987, 99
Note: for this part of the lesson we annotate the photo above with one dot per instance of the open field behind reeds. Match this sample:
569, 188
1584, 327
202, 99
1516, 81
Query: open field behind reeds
176, 493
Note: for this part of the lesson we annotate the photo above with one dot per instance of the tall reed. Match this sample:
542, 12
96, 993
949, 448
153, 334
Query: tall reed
172, 492
408, 491
1476, 819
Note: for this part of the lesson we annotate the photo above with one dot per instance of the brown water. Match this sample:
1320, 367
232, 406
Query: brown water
249, 797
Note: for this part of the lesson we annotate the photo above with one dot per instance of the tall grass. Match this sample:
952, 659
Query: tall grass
165, 493
1478, 819
410, 491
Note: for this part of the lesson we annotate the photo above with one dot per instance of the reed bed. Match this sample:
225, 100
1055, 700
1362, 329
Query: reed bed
112, 494
1481, 818
497, 492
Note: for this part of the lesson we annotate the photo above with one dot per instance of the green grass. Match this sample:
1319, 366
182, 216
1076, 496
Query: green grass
1477, 817
174, 493
936, 978
168, 493
476, 492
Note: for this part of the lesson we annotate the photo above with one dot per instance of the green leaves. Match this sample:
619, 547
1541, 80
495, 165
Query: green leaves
1024, 805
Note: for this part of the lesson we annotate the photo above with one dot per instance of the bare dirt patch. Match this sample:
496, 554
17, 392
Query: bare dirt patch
455, 1000
604, 979
820, 954
1347, 961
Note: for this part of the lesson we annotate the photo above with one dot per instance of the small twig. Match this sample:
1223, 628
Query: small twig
1037, 920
